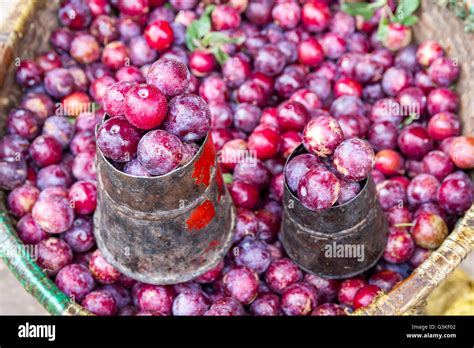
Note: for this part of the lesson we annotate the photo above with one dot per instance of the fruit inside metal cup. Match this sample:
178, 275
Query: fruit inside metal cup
342, 241
165, 229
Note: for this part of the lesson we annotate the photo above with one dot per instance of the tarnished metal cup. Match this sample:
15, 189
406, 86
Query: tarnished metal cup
166, 229
339, 242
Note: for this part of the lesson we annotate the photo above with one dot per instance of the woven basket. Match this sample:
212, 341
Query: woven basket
26, 31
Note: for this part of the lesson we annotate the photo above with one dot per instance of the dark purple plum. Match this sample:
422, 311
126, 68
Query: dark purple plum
75, 281
80, 236
169, 76
159, 152
118, 139
188, 117
53, 255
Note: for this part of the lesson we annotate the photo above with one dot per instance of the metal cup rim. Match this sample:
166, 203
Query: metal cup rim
154, 177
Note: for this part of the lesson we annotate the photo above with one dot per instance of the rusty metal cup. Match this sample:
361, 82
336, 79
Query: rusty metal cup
166, 229
340, 242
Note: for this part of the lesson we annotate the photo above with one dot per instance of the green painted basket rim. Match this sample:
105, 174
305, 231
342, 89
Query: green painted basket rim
403, 299
30, 275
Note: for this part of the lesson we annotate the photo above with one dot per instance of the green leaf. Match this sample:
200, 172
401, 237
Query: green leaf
219, 54
199, 28
192, 35
405, 9
363, 9
410, 20
208, 10
216, 38
199, 35
227, 178
377, 4
358, 9
203, 26
196, 31
382, 29
410, 6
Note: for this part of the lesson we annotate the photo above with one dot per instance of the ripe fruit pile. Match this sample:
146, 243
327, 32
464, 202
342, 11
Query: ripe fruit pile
136, 107
299, 63
348, 161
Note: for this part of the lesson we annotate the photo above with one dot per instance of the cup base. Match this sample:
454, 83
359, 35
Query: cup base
153, 253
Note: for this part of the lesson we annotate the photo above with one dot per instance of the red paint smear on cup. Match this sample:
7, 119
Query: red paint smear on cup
214, 244
201, 216
220, 183
202, 167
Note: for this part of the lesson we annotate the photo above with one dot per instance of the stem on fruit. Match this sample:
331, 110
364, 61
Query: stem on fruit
406, 224
409, 120
228, 179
